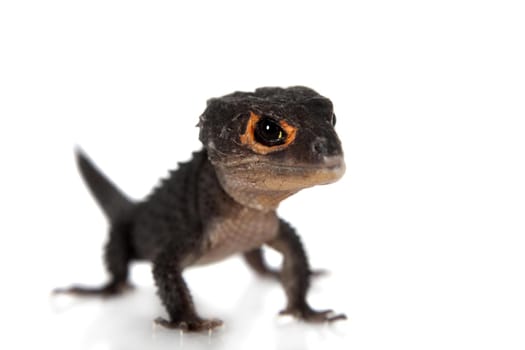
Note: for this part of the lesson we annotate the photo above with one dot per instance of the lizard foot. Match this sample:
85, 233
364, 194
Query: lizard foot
307, 314
194, 325
109, 290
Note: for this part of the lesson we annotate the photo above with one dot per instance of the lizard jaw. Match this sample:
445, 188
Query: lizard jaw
299, 176
259, 181
329, 170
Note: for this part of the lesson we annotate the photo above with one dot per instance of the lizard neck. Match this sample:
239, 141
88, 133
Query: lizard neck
248, 195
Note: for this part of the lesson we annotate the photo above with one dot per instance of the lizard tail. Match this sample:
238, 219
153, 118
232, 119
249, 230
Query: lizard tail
113, 202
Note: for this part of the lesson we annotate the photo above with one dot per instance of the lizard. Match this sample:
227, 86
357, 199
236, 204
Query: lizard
259, 148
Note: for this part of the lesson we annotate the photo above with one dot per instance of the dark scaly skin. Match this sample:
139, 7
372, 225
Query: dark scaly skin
223, 202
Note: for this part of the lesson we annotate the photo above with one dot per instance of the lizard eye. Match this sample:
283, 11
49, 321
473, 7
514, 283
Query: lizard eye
269, 133
264, 134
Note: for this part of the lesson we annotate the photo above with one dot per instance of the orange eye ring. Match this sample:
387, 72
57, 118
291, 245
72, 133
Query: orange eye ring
249, 138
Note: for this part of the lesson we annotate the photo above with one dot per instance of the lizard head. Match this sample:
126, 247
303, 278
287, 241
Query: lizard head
268, 144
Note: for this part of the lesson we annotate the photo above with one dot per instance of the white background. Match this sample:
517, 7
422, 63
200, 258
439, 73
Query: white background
424, 236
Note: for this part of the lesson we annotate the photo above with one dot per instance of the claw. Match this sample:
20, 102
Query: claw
319, 273
111, 289
308, 314
336, 317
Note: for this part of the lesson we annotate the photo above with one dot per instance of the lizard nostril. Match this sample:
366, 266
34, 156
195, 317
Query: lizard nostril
319, 147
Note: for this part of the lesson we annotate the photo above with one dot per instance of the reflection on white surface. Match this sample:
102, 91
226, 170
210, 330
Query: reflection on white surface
126, 322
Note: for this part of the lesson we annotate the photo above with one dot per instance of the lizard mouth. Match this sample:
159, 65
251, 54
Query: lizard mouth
264, 174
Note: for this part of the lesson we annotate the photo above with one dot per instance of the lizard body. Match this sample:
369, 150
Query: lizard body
259, 148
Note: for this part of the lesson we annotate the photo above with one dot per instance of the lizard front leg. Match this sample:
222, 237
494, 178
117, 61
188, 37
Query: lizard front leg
295, 277
176, 296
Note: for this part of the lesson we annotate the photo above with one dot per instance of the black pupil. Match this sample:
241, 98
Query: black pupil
269, 132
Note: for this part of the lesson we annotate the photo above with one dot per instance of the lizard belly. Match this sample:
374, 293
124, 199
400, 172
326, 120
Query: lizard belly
242, 231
